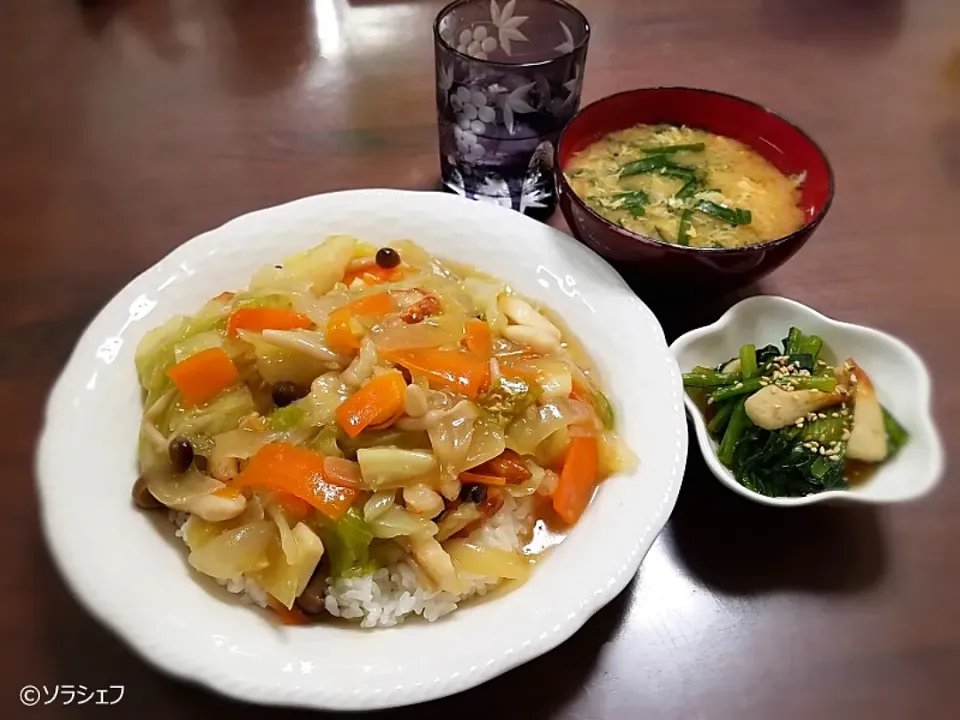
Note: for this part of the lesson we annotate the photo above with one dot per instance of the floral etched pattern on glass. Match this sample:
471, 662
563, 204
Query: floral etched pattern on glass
508, 81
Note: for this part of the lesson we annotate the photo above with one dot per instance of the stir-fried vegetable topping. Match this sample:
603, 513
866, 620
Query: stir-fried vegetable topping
359, 408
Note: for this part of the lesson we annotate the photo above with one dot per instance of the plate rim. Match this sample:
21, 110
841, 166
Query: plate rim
165, 657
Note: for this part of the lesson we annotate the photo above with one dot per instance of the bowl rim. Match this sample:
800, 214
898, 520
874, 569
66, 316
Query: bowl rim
726, 477
806, 228
446, 9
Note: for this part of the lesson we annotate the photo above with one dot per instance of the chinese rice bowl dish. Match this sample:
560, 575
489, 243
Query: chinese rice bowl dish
370, 434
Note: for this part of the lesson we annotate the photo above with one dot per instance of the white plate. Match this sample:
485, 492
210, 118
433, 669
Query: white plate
134, 577
900, 376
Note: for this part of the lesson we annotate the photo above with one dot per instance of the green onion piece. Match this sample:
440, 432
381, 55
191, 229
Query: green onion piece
683, 234
688, 190
658, 149
633, 197
654, 163
748, 360
739, 422
734, 216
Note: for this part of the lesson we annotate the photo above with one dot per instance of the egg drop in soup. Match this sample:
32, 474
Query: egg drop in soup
686, 186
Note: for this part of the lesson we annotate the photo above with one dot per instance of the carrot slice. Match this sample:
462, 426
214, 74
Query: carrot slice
339, 332
293, 616
455, 370
580, 392
478, 338
373, 305
298, 471
293, 507
509, 466
201, 376
372, 275
577, 479
259, 319
374, 403
473, 478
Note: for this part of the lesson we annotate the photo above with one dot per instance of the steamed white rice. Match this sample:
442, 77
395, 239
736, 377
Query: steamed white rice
391, 594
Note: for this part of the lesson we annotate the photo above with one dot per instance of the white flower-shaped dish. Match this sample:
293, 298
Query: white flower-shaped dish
900, 376
129, 570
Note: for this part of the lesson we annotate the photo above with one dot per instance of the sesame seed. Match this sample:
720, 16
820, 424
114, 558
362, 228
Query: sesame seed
823, 451
846, 434
764, 383
834, 415
710, 400
853, 379
738, 386
822, 416
835, 458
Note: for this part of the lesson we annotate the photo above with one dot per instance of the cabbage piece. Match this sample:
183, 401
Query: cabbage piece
378, 504
536, 424
283, 578
308, 342
396, 522
276, 364
219, 415
451, 438
553, 449
288, 543
530, 485
418, 335
322, 266
348, 544
492, 562
176, 489
415, 256
487, 443
287, 418
390, 437
485, 294
615, 456
197, 532
507, 397
456, 520
243, 444
326, 443
327, 392
390, 467
234, 552
156, 354
197, 343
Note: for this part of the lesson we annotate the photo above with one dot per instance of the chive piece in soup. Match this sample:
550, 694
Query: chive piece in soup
685, 185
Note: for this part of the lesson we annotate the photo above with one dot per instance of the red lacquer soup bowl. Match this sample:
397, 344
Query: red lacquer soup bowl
665, 264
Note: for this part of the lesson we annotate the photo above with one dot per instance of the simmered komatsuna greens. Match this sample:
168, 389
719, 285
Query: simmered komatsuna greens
790, 424
369, 416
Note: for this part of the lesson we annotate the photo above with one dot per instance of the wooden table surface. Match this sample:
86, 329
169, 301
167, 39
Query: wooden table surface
127, 127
